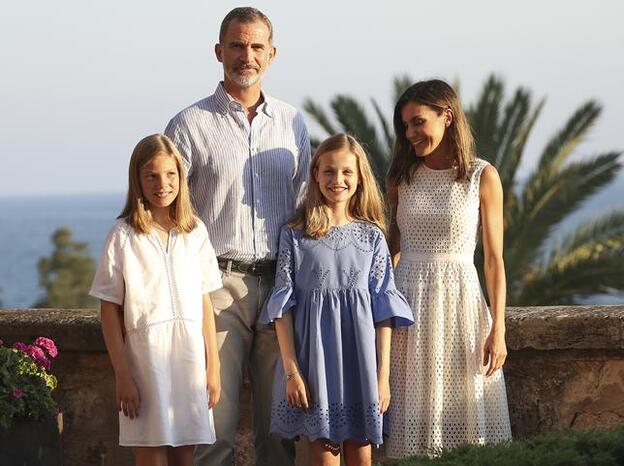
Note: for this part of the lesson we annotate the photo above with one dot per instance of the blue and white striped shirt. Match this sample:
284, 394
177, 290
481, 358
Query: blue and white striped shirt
245, 179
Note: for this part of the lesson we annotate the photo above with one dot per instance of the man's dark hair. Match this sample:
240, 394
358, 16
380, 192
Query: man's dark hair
245, 14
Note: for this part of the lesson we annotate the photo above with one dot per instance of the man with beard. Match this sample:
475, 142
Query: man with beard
247, 156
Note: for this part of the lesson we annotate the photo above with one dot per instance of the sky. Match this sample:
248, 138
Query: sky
82, 81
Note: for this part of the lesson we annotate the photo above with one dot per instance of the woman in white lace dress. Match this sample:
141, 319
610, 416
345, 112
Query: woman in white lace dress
446, 383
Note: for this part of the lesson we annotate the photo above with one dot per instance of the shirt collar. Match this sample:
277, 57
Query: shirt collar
226, 103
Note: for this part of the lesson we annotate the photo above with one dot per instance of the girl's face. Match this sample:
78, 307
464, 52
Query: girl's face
160, 181
424, 127
337, 176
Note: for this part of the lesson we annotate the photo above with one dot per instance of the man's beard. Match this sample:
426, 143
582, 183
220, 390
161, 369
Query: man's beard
244, 81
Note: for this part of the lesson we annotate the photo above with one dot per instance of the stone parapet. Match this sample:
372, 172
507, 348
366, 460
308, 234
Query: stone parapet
565, 368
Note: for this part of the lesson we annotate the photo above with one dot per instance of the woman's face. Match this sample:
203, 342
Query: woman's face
424, 127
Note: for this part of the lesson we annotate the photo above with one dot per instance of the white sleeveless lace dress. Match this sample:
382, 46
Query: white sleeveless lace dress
440, 396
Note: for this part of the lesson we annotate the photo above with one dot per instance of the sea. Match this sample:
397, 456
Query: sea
26, 227
28, 222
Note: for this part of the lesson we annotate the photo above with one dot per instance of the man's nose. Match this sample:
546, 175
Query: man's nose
246, 54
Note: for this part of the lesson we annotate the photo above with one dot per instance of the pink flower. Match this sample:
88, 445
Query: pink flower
17, 393
1, 342
48, 345
38, 356
20, 346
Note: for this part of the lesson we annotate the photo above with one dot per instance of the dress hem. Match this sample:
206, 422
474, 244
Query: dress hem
181, 443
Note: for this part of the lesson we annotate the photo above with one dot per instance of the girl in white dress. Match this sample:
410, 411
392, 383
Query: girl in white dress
153, 280
445, 377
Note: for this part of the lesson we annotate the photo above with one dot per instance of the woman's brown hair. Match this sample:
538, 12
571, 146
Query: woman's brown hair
439, 96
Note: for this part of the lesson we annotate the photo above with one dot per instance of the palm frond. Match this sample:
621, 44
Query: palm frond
315, 142
567, 138
352, 118
541, 210
601, 230
590, 261
514, 117
385, 126
510, 160
400, 85
318, 114
484, 117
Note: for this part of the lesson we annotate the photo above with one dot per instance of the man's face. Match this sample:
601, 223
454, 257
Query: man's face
245, 53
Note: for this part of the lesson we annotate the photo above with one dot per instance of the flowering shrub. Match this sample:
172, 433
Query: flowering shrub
25, 384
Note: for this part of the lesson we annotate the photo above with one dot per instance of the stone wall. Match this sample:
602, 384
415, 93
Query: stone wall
565, 368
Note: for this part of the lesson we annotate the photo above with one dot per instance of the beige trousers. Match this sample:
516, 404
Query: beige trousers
244, 342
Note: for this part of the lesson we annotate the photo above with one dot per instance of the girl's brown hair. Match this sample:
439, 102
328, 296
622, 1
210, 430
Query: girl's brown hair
439, 96
366, 204
137, 210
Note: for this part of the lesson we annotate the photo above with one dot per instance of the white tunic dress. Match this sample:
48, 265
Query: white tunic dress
160, 287
440, 397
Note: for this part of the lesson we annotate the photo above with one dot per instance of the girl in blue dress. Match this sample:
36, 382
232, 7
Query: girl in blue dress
334, 305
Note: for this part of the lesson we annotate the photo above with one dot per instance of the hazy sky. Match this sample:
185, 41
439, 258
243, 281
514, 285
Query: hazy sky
82, 81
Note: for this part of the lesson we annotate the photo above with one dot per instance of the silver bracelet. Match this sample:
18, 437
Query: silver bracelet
291, 375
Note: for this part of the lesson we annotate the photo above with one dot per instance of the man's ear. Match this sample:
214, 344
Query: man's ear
219, 52
272, 53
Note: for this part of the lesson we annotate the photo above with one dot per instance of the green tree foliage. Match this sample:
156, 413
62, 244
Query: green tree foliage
589, 260
66, 275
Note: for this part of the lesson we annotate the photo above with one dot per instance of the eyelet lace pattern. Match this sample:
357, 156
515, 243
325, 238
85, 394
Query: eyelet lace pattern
440, 397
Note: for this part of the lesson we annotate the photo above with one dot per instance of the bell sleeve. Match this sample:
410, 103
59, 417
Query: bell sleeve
387, 302
282, 296
108, 283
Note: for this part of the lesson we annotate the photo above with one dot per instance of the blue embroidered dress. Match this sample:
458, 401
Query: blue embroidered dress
339, 288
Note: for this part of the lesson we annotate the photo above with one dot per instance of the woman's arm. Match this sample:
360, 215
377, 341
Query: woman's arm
394, 235
296, 390
383, 333
491, 199
213, 369
127, 395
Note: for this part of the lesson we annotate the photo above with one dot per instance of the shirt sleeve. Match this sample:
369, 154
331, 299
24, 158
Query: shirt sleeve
179, 136
282, 296
305, 154
108, 283
387, 302
211, 276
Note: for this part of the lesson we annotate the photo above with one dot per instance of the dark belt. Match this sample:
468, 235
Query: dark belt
258, 268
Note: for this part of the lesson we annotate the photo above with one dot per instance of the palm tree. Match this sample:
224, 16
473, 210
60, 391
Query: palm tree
541, 269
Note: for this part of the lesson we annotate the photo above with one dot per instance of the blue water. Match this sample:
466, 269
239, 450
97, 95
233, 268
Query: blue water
26, 226
27, 223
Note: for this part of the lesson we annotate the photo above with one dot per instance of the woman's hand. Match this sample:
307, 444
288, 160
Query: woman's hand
383, 383
494, 351
128, 398
213, 385
296, 392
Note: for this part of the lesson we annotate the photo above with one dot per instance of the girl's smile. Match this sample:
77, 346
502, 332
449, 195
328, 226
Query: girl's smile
337, 175
160, 181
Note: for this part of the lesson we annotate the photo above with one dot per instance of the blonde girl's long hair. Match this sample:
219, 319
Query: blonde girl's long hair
439, 96
366, 204
137, 210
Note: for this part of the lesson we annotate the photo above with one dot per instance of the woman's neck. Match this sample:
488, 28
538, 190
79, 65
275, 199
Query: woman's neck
160, 217
441, 158
339, 215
